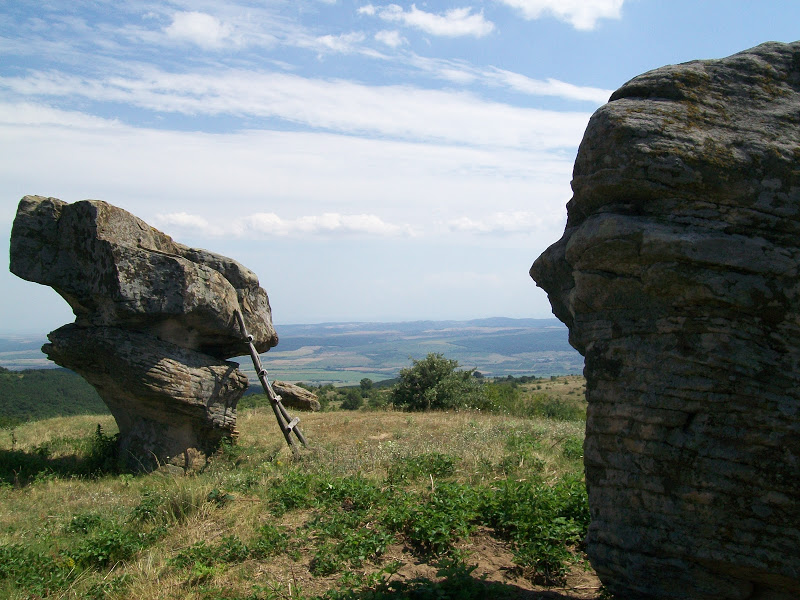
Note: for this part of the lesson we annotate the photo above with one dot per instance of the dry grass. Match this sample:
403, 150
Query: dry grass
485, 448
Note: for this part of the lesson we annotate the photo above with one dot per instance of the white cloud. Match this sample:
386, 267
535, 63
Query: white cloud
200, 28
465, 73
391, 38
581, 14
401, 112
511, 222
360, 189
548, 87
315, 181
455, 22
341, 43
264, 225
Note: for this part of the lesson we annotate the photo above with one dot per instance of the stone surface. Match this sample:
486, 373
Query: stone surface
154, 321
293, 396
677, 275
115, 270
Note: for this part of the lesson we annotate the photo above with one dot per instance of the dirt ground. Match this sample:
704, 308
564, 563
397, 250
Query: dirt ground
492, 558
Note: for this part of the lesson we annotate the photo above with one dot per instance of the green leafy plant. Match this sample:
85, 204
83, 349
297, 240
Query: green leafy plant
270, 540
544, 522
436, 464
435, 383
230, 549
39, 572
435, 523
109, 544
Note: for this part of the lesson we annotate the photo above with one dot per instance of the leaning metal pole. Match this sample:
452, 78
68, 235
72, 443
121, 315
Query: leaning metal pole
285, 422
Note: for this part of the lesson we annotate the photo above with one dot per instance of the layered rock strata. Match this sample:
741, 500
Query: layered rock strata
677, 276
154, 322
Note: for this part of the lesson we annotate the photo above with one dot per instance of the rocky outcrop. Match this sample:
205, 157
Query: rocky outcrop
154, 321
677, 275
293, 396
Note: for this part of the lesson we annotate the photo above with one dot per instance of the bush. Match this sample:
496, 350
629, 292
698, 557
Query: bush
435, 383
353, 400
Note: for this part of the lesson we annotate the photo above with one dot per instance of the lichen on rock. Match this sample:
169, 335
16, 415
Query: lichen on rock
677, 275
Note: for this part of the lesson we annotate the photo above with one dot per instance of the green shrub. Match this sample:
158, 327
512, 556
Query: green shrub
295, 489
435, 383
358, 492
353, 400
504, 398
549, 407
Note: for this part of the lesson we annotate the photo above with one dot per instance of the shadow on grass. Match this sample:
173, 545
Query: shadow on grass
458, 583
93, 456
425, 589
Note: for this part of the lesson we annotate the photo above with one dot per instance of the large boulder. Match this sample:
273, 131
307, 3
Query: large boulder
115, 270
677, 275
154, 321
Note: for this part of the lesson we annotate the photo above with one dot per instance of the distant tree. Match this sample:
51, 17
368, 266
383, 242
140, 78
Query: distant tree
352, 400
436, 383
366, 386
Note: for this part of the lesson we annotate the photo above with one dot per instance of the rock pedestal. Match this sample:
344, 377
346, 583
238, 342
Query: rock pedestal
154, 322
677, 276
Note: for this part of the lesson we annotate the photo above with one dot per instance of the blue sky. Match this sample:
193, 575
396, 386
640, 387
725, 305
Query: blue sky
369, 161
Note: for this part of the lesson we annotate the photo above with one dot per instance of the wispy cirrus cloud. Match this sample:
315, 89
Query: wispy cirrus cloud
401, 112
455, 22
257, 184
263, 224
467, 73
581, 14
499, 222
345, 43
545, 87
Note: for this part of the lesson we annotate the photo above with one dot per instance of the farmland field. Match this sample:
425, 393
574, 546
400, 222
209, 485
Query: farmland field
344, 353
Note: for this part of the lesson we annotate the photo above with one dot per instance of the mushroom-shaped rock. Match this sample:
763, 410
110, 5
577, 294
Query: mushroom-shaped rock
115, 270
154, 321
677, 275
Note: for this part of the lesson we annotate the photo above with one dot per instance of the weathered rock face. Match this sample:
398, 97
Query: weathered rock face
154, 318
678, 278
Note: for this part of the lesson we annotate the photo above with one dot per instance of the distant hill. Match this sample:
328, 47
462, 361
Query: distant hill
344, 353
35, 394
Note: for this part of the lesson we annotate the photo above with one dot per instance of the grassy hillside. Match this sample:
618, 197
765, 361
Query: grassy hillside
43, 393
384, 504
